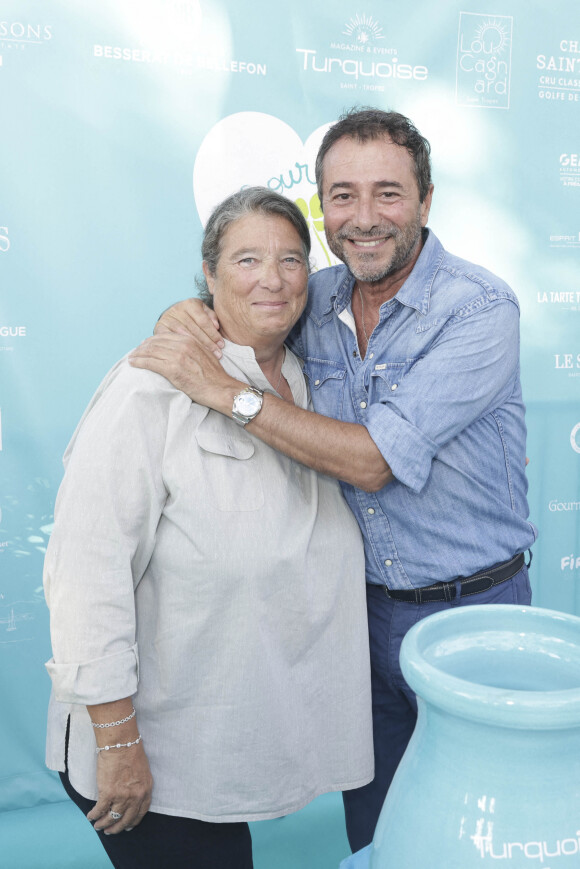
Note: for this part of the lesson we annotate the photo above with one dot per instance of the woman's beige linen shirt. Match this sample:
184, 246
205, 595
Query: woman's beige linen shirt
219, 583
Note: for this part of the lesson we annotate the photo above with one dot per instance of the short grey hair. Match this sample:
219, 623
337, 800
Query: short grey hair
250, 200
367, 124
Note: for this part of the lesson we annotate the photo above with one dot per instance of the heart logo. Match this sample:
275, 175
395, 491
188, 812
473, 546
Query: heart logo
253, 148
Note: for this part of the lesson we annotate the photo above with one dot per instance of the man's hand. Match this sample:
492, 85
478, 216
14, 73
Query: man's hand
194, 318
339, 449
124, 785
190, 366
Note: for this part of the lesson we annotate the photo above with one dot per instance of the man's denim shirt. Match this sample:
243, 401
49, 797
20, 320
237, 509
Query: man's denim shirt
439, 392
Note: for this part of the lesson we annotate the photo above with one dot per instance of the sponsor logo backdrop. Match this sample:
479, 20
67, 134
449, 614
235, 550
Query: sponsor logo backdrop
124, 122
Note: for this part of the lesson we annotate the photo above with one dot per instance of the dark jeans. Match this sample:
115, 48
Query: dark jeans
394, 704
171, 842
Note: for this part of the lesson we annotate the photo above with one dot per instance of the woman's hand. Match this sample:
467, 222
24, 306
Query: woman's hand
124, 782
124, 786
193, 317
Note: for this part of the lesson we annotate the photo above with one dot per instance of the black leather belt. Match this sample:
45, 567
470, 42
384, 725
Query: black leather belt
475, 584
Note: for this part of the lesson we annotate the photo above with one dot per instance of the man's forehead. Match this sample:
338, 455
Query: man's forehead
352, 143
378, 155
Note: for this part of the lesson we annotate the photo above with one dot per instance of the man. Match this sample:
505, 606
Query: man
412, 357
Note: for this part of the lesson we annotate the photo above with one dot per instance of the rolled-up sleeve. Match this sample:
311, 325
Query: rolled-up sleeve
471, 369
106, 515
82, 683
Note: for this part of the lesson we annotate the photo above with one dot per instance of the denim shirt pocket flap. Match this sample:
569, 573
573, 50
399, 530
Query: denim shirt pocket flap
319, 371
390, 374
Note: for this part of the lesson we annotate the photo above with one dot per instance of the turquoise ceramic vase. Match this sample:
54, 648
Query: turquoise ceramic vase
491, 777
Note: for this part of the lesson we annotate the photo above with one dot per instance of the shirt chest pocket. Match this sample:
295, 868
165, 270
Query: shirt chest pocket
387, 378
326, 380
231, 478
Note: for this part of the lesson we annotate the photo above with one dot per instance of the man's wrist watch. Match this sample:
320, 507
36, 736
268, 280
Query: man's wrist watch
247, 405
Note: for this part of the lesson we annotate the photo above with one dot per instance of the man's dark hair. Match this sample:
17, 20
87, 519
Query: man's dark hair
366, 124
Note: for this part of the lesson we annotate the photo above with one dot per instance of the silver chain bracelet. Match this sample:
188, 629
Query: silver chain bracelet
119, 745
116, 723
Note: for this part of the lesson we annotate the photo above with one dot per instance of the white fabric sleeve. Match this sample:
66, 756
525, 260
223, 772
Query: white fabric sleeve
106, 514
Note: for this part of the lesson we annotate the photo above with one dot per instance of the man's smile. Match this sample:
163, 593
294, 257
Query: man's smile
373, 243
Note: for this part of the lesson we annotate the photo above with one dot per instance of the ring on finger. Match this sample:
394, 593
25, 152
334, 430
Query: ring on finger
115, 815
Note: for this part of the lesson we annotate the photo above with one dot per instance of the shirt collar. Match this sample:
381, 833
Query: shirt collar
239, 351
415, 292
240, 362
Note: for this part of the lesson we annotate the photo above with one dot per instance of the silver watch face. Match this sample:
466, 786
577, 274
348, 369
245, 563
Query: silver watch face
248, 404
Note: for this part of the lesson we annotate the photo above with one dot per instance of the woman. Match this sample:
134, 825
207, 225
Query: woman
206, 593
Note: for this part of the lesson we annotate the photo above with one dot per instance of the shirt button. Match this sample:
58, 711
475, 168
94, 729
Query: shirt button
394, 386
388, 562
370, 510
363, 404
316, 382
371, 355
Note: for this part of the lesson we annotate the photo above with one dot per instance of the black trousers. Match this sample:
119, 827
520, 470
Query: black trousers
170, 842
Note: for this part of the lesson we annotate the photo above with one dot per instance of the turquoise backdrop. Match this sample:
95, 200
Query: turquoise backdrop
122, 123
